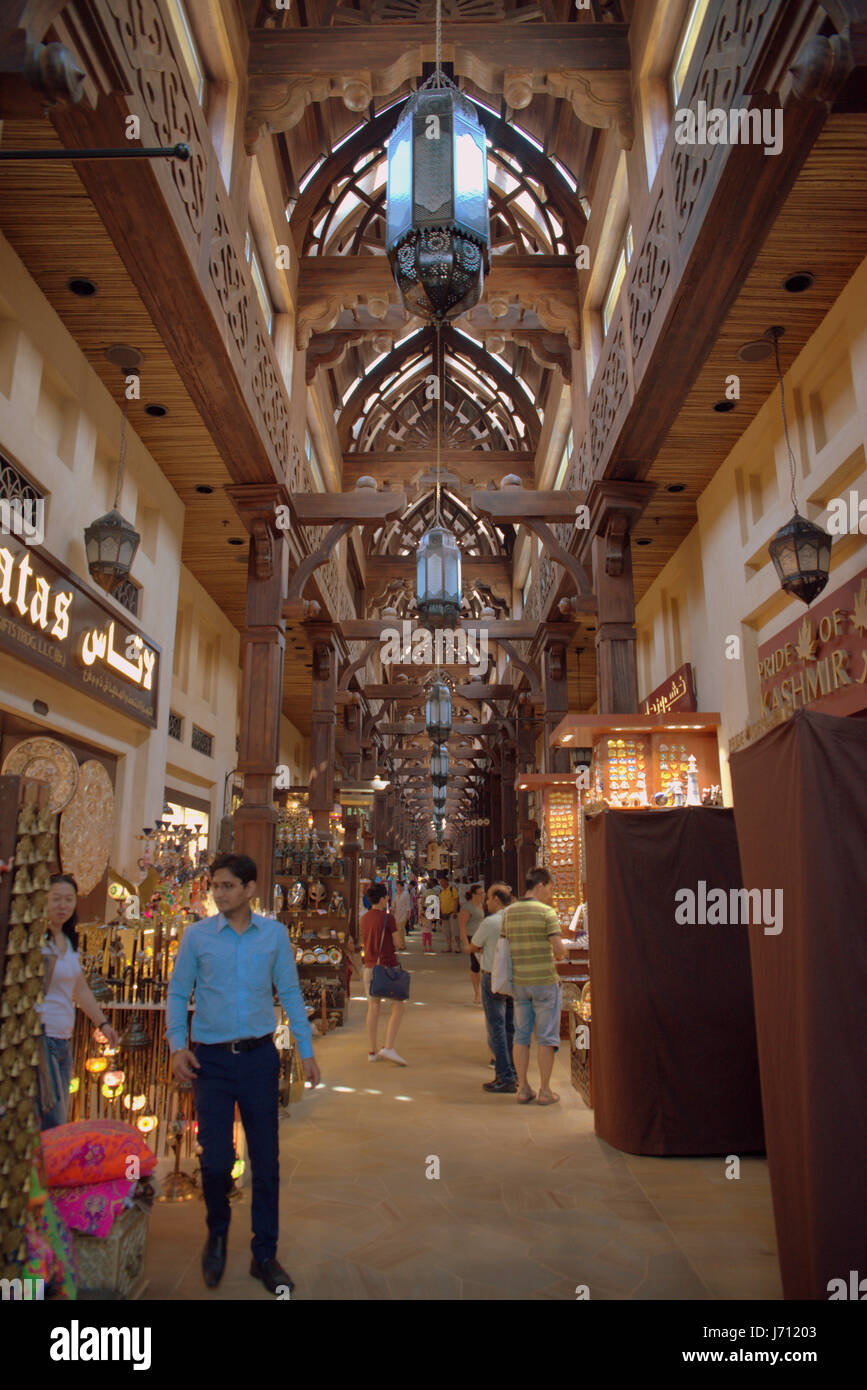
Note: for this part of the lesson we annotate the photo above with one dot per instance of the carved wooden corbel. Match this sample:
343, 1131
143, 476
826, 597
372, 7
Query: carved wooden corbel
327, 349
616, 540
320, 314
323, 655
601, 99
547, 349
263, 549
822, 67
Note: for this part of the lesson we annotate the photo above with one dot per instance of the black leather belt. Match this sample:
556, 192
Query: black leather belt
240, 1044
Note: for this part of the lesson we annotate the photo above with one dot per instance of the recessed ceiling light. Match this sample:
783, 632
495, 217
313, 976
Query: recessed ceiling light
158, 411
676, 487
643, 540
723, 407
204, 489
236, 540
81, 286
800, 281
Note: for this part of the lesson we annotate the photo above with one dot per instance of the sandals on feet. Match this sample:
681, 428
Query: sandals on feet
525, 1100
550, 1099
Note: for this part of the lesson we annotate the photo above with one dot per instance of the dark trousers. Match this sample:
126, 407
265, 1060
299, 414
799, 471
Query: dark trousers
249, 1079
500, 1018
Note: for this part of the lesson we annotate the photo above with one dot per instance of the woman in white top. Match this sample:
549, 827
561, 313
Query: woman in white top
402, 906
65, 986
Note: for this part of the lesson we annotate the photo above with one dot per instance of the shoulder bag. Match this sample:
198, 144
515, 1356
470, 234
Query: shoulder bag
388, 981
502, 981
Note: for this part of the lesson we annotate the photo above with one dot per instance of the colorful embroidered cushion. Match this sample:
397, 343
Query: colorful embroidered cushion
92, 1151
92, 1207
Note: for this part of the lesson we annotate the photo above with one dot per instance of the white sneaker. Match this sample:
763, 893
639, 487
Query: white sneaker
373, 1056
391, 1056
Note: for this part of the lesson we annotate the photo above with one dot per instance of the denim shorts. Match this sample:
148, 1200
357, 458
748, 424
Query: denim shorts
539, 1005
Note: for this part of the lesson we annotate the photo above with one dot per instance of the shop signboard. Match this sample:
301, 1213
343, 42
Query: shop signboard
820, 660
677, 693
49, 620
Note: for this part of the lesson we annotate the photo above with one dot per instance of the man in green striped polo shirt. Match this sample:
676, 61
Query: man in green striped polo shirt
533, 932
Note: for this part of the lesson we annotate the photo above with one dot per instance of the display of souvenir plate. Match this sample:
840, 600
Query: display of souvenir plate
87, 827
48, 761
308, 958
299, 954
334, 955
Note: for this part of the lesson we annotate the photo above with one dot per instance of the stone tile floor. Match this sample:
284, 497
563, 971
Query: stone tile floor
528, 1204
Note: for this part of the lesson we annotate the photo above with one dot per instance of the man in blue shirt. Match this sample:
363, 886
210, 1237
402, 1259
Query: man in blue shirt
235, 961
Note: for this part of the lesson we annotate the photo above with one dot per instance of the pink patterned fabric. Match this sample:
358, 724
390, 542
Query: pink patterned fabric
93, 1207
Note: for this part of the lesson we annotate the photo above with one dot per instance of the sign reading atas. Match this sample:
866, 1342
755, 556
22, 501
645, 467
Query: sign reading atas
50, 620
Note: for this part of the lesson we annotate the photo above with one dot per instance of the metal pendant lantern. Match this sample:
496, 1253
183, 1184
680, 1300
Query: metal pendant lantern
439, 766
437, 232
801, 552
438, 579
438, 712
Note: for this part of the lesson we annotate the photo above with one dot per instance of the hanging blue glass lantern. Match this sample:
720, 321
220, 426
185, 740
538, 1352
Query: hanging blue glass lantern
438, 579
437, 232
439, 766
438, 712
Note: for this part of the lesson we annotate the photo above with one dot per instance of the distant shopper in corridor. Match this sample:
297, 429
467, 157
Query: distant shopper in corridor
499, 1008
448, 908
382, 938
532, 929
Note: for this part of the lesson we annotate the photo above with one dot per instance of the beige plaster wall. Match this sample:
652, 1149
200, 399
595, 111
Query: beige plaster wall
721, 583
61, 427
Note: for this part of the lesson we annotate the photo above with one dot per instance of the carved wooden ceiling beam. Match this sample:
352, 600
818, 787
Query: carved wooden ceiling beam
548, 285
404, 467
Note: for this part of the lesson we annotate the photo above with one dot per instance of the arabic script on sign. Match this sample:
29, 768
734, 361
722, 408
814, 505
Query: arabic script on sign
98, 645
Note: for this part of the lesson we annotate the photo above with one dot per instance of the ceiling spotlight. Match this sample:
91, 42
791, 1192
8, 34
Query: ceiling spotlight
236, 540
643, 540
157, 411
80, 285
723, 407
800, 281
676, 487
204, 488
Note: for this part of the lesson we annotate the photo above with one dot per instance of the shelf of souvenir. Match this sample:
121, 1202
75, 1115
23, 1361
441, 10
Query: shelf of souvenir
28, 856
648, 761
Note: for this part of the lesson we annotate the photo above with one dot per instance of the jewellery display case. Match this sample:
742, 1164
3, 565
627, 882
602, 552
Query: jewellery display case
311, 897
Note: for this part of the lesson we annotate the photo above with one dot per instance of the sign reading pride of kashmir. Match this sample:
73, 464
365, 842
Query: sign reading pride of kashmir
820, 660
48, 619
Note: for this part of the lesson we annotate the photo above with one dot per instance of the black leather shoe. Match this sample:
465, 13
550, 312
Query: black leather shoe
214, 1260
501, 1087
273, 1275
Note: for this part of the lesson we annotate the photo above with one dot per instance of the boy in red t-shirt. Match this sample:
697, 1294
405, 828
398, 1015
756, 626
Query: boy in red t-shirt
381, 938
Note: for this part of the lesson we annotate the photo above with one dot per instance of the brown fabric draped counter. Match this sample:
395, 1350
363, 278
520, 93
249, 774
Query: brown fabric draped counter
801, 812
675, 1068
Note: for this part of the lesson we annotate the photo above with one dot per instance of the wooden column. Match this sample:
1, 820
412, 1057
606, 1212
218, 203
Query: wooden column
352, 740
614, 507
351, 854
263, 645
323, 730
494, 870
556, 691
508, 819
